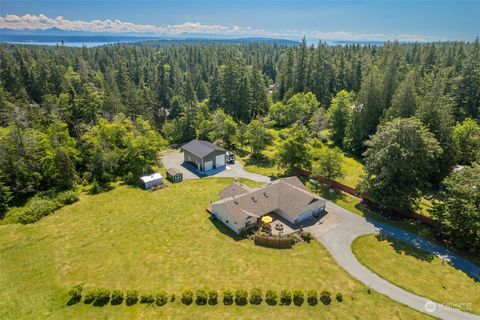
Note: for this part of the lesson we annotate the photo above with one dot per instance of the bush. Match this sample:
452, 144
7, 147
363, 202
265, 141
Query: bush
271, 297
241, 297
227, 297
202, 297
43, 204
326, 297
131, 297
161, 298
298, 297
187, 297
339, 297
147, 297
117, 297
67, 197
95, 189
102, 298
36, 209
285, 298
256, 296
212, 297
312, 297
90, 296
306, 236
75, 295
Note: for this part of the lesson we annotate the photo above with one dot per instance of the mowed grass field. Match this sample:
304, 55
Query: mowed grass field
129, 238
418, 272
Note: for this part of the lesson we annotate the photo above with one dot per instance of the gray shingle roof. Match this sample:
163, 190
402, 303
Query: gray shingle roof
201, 148
234, 189
287, 196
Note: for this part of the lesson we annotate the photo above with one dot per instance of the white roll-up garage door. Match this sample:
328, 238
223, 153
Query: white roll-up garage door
208, 165
220, 160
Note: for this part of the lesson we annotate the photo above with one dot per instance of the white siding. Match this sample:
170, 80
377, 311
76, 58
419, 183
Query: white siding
224, 216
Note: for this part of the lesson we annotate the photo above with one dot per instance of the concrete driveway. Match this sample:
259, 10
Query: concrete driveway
175, 160
339, 240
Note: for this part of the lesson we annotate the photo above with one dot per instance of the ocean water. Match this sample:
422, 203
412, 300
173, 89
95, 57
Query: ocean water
66, 44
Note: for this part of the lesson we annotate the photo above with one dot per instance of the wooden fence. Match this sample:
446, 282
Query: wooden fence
274, 242
332, 183
352, 191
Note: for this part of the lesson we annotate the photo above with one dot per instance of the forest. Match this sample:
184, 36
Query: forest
410, 112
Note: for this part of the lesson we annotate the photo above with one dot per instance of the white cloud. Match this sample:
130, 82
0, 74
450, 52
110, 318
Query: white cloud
42, 22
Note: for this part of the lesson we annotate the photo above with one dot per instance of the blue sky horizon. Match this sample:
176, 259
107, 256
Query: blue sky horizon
360, 20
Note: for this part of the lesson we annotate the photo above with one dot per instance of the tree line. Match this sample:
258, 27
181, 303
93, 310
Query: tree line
69, 115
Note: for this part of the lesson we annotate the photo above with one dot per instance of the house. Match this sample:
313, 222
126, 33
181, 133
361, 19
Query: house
241, 207
205, 156
152, 180
174, 176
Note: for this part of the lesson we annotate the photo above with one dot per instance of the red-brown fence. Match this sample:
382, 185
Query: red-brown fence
352, 191
332, 183
274, 242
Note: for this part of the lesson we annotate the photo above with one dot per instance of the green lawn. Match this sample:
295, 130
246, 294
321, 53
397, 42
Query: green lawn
129, 238
418, 272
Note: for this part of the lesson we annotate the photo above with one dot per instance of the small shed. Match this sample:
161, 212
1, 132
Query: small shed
152, 180
174, 176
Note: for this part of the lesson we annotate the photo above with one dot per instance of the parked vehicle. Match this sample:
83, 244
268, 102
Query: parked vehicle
230, 157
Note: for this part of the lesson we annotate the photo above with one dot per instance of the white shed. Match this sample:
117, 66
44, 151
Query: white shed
152, 180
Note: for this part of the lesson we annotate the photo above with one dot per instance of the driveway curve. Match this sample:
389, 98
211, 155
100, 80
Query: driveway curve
339, 242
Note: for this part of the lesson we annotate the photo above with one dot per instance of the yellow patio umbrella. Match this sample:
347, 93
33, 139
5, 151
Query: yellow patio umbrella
267, 219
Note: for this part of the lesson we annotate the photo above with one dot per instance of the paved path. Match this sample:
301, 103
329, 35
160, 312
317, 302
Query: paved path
175, 160
339, 242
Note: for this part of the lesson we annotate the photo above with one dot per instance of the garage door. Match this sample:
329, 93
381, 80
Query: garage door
305, 215
208, 165
220, 160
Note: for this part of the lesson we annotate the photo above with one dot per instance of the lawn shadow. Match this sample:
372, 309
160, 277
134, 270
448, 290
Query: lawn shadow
403, 248
224, 229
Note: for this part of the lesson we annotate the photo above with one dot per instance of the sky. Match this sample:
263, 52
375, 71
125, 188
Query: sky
404, 20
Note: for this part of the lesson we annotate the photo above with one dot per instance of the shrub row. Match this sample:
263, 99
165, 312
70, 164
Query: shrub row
101, 297
44, 204
241, 297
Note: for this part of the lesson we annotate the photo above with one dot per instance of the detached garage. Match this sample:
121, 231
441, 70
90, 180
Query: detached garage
205, 156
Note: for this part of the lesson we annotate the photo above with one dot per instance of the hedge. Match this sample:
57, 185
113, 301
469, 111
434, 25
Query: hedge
101, 297
131, 297
75, 295
212, 297
201, 298
271, 297
312, 297
256, 296
298, 297
117, 297
227, 297
161, 298
326, 297
241, 297
187, 297
285, 297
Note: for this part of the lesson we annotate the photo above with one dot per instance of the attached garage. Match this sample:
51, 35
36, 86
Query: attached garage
204, 156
